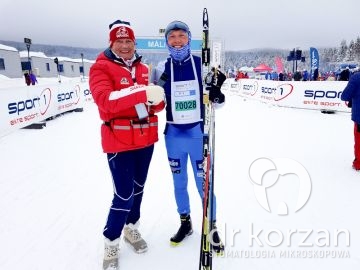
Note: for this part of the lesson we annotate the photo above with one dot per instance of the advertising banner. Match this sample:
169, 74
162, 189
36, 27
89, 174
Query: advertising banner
23, 106
315, 95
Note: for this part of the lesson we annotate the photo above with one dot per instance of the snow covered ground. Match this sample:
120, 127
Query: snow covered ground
55, 191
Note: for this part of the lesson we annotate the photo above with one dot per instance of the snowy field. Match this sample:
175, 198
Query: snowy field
55, 191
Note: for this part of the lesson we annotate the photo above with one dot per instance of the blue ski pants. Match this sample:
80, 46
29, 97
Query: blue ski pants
181, 145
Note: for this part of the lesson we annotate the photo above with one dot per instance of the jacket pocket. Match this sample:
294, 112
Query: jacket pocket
138, 133
153, 129
145, 132
122, 131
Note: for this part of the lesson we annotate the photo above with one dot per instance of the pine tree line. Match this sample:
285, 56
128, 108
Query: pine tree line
330, 58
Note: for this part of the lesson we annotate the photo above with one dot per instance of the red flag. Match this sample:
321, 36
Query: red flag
279, 64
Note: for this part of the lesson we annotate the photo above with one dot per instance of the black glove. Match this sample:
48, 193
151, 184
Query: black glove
221, 78
215, 78
214, 83
215, 94
349, 104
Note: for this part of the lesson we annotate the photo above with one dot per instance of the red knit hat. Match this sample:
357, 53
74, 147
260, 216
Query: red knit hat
120, 29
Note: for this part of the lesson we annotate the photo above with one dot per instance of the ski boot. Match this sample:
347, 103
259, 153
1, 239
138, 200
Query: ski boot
217, 245
184, 230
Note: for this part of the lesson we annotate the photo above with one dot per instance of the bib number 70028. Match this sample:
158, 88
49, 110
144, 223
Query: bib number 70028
186, 105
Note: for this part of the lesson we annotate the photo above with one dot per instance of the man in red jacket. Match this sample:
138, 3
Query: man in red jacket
127, 106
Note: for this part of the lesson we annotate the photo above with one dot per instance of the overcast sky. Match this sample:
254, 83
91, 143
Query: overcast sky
239, 24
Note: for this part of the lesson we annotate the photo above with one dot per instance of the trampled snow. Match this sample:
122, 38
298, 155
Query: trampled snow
55, 191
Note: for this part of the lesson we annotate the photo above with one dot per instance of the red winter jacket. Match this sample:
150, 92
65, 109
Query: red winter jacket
115, 93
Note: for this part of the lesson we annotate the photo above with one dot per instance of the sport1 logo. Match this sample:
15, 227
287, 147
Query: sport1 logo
283, 91
38, 103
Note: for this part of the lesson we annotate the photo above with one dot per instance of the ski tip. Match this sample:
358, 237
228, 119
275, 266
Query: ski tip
205, 18
174, 244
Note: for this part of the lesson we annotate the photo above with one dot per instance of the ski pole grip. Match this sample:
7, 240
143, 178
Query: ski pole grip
206, 99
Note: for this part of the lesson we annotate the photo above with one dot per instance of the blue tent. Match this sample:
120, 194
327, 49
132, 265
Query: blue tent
341, 67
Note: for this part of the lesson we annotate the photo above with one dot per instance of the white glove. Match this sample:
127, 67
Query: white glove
154, 94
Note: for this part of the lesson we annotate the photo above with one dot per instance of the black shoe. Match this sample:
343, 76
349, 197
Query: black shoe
217, 245
184, 230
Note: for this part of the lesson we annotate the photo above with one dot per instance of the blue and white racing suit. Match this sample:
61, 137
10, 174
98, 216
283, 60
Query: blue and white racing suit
184, 127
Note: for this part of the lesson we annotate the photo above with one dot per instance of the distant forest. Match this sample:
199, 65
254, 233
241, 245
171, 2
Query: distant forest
329, 57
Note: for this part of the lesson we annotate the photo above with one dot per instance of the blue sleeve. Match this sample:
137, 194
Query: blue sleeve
352, 89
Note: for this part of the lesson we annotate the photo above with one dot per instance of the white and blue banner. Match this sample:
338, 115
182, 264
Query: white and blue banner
311, 95
22, 106
314, 61
159, 44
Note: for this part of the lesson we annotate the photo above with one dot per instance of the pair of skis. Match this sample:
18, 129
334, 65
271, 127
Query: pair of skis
206, 253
